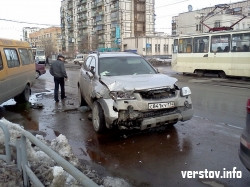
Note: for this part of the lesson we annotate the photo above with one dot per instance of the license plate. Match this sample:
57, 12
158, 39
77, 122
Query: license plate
160, 105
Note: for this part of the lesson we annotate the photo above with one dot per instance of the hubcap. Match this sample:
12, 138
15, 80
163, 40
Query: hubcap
27, 93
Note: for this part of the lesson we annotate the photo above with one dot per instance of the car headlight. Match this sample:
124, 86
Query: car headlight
185, 91
120, 95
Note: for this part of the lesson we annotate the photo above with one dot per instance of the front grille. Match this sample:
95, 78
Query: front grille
158, 94
158, 113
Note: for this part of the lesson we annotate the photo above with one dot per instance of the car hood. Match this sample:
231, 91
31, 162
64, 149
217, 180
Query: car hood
138, 82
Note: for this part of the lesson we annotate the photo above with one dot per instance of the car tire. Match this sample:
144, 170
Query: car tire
98, 118
24, 96
81, 100
37, 74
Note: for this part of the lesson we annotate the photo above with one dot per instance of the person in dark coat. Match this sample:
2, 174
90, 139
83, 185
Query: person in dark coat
57, 70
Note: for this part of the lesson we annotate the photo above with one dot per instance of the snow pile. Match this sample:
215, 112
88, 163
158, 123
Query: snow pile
48, 172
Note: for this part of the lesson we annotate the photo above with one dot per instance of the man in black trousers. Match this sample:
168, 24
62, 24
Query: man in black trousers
57, 70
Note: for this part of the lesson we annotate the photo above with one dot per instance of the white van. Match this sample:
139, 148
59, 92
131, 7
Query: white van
79, 59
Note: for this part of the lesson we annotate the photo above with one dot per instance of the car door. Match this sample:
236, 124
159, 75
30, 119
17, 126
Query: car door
89, 79
3, 81
83, 77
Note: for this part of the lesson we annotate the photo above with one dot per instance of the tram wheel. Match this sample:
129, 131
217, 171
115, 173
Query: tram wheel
222, 74
199, 73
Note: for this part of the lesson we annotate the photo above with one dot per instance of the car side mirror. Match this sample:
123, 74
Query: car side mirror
92, 70
90, 74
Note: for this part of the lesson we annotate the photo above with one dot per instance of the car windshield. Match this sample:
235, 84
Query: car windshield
39, 53
116, 66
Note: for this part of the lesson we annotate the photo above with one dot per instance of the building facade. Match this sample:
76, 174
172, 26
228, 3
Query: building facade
27, 31
48, 39
190, 22
103, 24
160, 45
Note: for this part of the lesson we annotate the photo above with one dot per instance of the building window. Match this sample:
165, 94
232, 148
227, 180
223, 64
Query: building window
159, 48
165, 48
155, 47
217, 24
149, 48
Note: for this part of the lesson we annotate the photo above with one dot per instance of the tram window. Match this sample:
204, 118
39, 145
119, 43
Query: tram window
241, 42
201, 44
185, 45
220, 43
175, 46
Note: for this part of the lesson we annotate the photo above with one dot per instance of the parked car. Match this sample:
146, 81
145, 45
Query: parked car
40, 69
79, 59
125, 91
244, 152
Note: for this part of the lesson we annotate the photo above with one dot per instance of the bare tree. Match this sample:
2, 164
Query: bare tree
94, 43
83, 45
48, 45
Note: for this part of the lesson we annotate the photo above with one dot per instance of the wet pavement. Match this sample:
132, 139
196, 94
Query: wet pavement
149, 158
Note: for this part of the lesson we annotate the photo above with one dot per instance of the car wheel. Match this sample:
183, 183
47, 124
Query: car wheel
81, 100
24, 96
37, 74
98, 118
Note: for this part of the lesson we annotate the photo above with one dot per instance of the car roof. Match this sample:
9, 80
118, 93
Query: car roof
116, 54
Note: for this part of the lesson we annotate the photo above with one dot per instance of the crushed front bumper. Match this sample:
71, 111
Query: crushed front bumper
136, 113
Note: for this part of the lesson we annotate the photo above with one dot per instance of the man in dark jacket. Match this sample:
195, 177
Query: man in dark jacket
57, 70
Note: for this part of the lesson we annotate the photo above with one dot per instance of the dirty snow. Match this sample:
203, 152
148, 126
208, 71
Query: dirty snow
44, 167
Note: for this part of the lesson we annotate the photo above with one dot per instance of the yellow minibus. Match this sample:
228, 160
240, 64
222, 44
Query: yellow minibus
17, 70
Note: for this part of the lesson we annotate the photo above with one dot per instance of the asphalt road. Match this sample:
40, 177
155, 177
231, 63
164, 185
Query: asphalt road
208, 142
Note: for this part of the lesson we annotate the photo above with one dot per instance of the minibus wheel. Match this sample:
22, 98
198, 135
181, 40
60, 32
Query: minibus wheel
37, 74
24, 96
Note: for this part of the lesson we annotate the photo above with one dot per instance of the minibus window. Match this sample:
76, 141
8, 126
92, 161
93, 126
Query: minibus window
31, 56
24, 56
1, 62
12, 58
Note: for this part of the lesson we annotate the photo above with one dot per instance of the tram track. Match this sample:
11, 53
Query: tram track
222, 82
214, 81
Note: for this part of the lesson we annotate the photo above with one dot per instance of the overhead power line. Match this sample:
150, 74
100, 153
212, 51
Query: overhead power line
193, 25
15, 21
171, 4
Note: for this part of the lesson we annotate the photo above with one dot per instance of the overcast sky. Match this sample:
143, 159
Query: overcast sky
48, 12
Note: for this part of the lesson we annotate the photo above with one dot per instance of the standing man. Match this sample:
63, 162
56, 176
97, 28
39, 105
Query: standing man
57, 70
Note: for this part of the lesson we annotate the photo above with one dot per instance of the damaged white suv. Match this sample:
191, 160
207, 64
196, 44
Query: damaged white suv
125, 91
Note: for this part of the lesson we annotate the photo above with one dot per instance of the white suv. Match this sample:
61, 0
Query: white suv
125, 91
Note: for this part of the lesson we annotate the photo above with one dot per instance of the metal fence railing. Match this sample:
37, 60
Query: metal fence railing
22, 162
